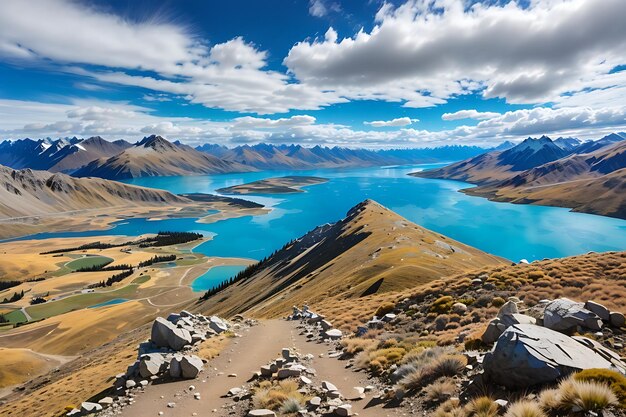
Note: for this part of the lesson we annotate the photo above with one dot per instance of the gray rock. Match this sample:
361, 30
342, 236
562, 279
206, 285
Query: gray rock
327, 386
498, 325
130, 384
315, 401
190, 366
217, 325
597, 308
344, 410
106, 401
607, 354
326, 325
185, 313
174, 368
527, 355
564, 315
617, 319
510, 307
388, 317
152, 364
166, 334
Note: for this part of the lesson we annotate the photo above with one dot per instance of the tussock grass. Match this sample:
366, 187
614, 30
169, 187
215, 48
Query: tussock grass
278, 396
439, 391
525, 408
615, 380
482, 407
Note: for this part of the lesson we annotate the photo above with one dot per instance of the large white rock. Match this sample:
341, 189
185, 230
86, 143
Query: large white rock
564, 315
261, 412
190, 366
334, 334
166, 334
526, 355
498, 325
217, 325
87, 407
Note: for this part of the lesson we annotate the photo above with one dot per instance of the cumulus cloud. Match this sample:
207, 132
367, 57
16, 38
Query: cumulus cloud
532, 54
320, 8
88, 118
469, 114
401, 121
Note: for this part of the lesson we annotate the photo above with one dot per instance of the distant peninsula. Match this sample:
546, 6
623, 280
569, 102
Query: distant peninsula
278, 185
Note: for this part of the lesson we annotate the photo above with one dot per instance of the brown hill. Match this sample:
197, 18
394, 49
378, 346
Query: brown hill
155, 156
74, 156
591, 183
372, 250
28, 193
496, 166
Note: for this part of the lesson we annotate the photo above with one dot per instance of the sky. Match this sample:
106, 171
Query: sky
355, 73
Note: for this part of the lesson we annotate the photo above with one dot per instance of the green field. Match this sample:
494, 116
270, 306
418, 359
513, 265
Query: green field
15, 316
88, 262
141, 279
78, 302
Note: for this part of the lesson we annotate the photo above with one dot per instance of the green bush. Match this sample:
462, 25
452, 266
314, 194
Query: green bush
442, 305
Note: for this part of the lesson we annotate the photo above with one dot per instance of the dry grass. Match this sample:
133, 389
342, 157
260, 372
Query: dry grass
355, 345
482, 407
281, 395
439, 391
615, 380
450, 408
525, 408
431, 365
576, 396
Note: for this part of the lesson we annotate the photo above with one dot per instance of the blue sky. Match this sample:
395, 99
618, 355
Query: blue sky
351, 73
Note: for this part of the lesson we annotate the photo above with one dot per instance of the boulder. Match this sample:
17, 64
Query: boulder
190, 366
106, 401
88, 408
597, 308
175, 369
327, 386
388, 317
166, 334
498, 325
288, 373
326, 325
334, 334
459, 308
565, 315
617, 319
344, 410
510, 307
607, 354
526, 355
261, 412
217, 325
315, 401
185, 313
152, 364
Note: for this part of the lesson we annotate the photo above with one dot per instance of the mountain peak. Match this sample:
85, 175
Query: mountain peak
155, 142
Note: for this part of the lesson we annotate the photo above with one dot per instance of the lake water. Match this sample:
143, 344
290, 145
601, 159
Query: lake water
109, 303
508, 230
215, 276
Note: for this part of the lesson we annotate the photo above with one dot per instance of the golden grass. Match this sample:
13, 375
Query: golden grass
613, 379
482, 407
276, 395
439, 391
525, 408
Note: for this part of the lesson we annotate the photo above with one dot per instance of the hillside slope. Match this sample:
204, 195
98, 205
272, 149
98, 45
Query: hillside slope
496, 166
28, 193
372, 250
590, 183
155, 156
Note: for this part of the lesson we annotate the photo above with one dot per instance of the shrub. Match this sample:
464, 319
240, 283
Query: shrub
450, 408
442, 305
439, 391
613, 379
498, 301
276, 396
449, 365
525, 408
355, 345
482, 407
585, 395
384, 309
291, 405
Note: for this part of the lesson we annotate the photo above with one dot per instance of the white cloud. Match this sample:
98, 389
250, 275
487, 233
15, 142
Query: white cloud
401, 121
469, 114
531, 54
321, 8
114, 120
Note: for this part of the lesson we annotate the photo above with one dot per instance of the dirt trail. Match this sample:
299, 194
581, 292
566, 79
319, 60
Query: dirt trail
244, 356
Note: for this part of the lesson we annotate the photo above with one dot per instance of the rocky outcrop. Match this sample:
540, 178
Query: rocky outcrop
166, 334
527, 355
566, 315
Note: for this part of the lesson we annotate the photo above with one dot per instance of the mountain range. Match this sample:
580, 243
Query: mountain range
155, 156
590, 177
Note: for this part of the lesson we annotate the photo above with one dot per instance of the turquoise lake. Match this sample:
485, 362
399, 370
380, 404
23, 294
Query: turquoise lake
508, 230
214, 276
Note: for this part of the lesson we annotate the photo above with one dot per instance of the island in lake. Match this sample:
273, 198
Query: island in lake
279, 185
